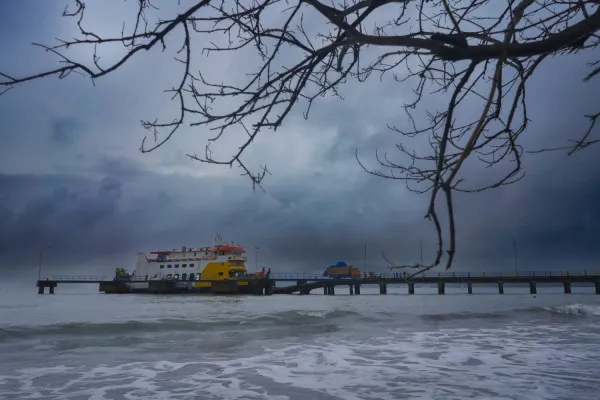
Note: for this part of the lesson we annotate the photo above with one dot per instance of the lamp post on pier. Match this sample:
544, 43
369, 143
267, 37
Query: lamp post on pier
515, 255
40, 263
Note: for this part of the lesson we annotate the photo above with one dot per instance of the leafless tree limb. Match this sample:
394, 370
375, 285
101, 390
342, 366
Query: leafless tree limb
480, 52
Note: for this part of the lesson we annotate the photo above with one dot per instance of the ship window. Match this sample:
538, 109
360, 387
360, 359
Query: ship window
169, 276
191, 265
176, 276
176, 265
220, 274
192, 276
162, 265
169, 266
183, 265
183, 277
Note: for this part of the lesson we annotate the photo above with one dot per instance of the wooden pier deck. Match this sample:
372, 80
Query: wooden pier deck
306, 283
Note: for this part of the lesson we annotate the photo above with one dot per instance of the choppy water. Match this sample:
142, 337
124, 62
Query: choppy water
80, 344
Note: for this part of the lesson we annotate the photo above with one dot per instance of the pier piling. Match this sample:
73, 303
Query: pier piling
304, 291
41, 285
470, 288
411, 288
567, 286
382, 288
598, 286
302, 287
357, 289
351, 288
532, 288
441, 287
500, 287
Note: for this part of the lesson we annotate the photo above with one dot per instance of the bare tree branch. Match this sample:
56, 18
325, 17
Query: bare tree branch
478, 52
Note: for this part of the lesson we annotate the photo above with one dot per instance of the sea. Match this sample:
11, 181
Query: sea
81, 344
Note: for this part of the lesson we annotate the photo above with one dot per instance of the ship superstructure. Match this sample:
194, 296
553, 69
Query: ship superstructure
222, 261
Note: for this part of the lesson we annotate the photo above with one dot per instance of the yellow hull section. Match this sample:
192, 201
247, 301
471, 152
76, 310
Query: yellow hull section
234, 270
209, 284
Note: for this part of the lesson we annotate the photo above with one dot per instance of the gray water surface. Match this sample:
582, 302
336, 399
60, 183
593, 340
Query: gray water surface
81, 344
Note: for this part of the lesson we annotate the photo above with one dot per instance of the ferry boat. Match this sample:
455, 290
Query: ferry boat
220, 268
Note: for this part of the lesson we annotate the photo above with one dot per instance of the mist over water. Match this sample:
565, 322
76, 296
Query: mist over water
81, 344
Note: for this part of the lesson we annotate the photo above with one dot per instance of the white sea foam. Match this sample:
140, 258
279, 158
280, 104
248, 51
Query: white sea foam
316, 314
582, 309
515, 362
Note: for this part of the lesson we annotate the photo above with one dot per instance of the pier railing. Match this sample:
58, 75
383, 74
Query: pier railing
299, 276
292, 276
91, 278
75, 278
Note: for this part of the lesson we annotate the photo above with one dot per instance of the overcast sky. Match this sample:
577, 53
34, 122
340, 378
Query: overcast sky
72, 175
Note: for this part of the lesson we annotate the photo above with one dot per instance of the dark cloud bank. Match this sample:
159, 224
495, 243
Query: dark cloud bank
94, 225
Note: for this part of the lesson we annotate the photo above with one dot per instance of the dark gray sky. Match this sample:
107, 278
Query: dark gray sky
71, 174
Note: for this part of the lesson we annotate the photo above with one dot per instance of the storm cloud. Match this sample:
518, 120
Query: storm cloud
71, 176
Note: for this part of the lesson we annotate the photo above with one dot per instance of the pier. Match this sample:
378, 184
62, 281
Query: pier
304, 284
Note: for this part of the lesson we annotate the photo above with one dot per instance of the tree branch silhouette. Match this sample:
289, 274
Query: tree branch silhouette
480, 52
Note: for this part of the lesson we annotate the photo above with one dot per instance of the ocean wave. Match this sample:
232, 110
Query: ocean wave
567, 310
576, 309
289, 318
